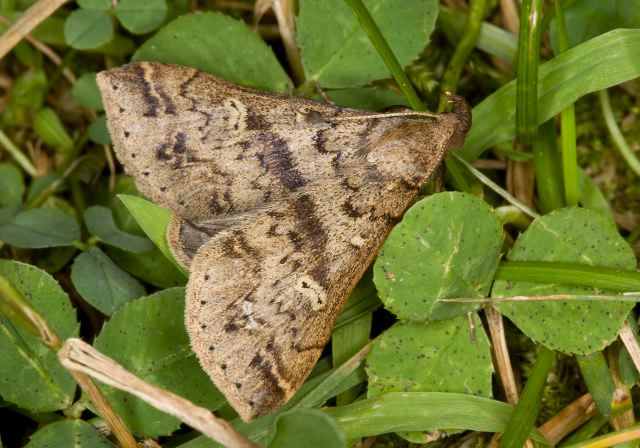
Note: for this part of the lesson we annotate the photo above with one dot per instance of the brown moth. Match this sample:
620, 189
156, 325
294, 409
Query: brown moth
279, 205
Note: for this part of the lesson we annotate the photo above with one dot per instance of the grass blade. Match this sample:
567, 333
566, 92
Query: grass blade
548, 169
570, 274
524, 416
492, 39
616, 134
463, 49
527, 70
567, 125
604, 61
597, 377
422, 411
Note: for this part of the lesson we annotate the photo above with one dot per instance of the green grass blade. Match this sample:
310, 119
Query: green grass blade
616, 438
380, 43
548, 169
335, 382
346, 341
591, 196
570, 274
463, 49
495, 187
604, 61
567, 125
17, 155
597, 377
527, 71
524, 415
616, 134
19, 311
492, 39
422, 411
353, 312
569, 155
313, 392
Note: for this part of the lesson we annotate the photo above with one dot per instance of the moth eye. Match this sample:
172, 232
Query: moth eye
133, 155
211, 348
163, 189
203, 326
223, 366
305, 285
121, 109
250, 403
206, 277
315, 117
146, 173
238, 385
127, 134
203, 302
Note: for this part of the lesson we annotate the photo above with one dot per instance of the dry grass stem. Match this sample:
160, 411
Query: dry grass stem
44, 49
120, 431
569, 419
501, 354
284, 11
26, 23
78, 356
631, 343
510, 16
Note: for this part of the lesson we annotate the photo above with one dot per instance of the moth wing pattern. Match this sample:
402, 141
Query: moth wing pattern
278, 208
202, 147
264, 295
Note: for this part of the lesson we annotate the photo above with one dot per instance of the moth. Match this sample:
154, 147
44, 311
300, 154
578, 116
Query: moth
278, 204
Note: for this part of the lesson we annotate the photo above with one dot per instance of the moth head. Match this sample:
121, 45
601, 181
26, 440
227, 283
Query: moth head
459, 120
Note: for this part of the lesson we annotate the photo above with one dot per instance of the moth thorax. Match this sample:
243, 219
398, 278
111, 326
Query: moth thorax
402, 151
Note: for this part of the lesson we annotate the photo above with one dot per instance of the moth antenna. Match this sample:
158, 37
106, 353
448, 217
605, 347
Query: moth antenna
409, 113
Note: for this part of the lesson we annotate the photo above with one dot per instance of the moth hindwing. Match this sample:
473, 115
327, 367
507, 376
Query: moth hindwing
279, 205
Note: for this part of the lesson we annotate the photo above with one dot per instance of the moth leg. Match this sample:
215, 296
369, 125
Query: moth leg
438, 178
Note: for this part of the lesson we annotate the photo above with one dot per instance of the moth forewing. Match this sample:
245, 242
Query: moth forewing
201, 146
280, 205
